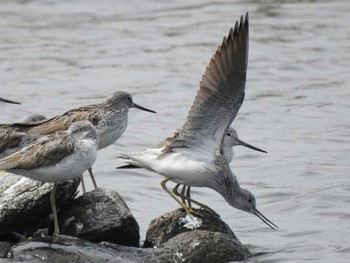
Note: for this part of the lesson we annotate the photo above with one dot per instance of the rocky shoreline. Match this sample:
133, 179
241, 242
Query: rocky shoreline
99, 227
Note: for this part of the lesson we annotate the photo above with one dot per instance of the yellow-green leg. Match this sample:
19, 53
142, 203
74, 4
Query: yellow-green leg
183, 200
189, 199
82, 183
188, 209
186, 190
188, 194
92, 177
54, 211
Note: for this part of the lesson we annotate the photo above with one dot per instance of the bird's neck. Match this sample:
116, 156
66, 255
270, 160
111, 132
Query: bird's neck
226, 182
227, 152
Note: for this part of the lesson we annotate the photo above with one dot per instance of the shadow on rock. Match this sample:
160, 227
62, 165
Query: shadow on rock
100, 215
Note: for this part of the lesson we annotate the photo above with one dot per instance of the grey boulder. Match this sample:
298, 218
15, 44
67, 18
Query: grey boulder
100, 215
25, 203
184, 238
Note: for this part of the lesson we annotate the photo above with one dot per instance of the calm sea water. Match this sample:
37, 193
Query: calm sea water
57, 55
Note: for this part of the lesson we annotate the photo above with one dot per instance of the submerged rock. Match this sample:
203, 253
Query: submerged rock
5, 247
74, 250
25, 202
100, 215
202, 246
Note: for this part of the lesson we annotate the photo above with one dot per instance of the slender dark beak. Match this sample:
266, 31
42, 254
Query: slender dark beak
250, 146
134, 105
265, 220
9, 101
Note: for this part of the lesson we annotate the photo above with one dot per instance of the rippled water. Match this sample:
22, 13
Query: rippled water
56, 55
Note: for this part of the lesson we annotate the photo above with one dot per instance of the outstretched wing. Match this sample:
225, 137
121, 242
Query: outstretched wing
220, 95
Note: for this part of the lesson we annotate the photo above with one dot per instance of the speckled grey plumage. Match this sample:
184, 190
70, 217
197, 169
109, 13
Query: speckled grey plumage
110, 118
54, 158
12, 141
49, 151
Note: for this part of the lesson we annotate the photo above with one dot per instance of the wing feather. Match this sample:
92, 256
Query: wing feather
220, 95
59, 123
46, 151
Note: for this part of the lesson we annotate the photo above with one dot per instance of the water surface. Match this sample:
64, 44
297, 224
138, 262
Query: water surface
57, 55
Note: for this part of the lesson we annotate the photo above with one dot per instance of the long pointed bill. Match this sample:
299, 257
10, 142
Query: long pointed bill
265, 220
9, 101
134, 105
250, 146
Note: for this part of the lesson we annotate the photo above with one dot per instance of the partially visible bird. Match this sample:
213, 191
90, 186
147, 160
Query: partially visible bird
12, 141
110, 118
34, 118
8, 101
54, 158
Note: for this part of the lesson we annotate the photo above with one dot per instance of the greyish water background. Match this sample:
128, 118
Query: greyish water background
56, 55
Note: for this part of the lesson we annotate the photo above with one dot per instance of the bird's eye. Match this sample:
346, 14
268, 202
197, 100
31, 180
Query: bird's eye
249, 200
128, 98
228, 134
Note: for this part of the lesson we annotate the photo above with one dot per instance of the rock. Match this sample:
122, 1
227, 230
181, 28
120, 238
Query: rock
25, 202
171, 224
202, 246
195, 246
5, 247
8, 241
181, 238
74, 250
100, 215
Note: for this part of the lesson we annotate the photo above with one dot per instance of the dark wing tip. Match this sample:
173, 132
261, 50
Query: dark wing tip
9, 101
128, 166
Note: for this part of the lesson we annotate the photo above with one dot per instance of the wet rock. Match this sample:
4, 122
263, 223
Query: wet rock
202, 246
24, 203
181, 238
74, 250
196, 246
8, 241
171, 224
5, 247
100, 215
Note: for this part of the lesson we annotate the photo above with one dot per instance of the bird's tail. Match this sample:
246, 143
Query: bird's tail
128, 166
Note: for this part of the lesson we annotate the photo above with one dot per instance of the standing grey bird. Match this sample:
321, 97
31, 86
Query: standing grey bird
110, 118
195, 157
57, 157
